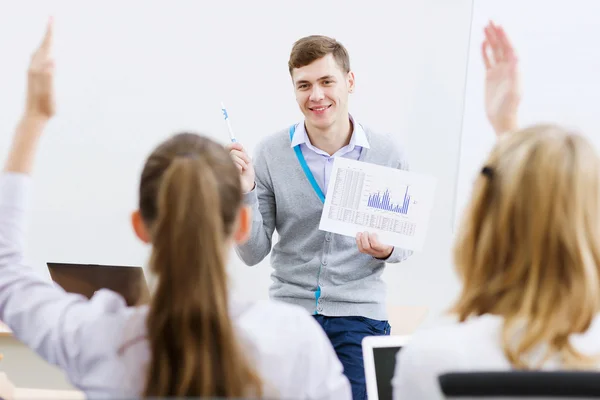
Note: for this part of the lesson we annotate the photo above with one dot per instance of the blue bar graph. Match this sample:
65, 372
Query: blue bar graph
376, 200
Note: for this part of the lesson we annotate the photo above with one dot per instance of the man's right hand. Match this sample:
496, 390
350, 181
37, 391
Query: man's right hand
244, 165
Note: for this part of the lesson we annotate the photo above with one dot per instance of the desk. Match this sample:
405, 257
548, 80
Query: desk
9, 391
34, 394
5, 330
26, 369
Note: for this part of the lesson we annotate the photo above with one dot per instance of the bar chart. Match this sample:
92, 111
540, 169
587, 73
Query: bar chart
370, 197
384, 202
357, 199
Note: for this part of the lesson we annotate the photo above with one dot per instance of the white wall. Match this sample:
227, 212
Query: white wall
559, 68
132, 72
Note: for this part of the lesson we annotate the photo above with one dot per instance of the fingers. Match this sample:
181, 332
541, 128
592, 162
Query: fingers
236, 149
375, 243
235, 146
240, 163
42, 60
241, 155
40, 80
48, 39
241, 160
368, 243
359, 243
498, 42
509, 51
365, 241
492, 37
484, 52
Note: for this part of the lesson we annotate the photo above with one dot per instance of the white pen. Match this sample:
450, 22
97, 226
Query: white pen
231, 135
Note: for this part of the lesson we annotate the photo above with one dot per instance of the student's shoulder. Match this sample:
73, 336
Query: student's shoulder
448, 343
274, 311
281, 320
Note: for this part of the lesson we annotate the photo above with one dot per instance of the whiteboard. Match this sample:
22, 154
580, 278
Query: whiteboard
557, 45
131, 73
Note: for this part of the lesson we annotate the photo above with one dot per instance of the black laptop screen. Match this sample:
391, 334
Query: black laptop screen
86, 279
385, 363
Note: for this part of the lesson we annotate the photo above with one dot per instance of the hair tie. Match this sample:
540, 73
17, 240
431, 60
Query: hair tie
487, 171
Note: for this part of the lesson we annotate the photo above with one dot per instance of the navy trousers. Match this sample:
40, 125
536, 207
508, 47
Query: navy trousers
346, 335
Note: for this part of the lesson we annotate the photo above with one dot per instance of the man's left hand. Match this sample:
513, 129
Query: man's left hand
368, 243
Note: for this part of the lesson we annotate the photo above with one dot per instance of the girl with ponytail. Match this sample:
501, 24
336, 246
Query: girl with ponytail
194, 338
527, 252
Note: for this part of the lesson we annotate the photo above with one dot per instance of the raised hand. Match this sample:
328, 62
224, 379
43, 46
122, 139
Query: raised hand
39, 107
40, 101
502, 85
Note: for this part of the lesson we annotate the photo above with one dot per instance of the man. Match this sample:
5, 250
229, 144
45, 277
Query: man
334, 277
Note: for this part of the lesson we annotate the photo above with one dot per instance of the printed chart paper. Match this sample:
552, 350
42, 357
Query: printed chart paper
393, 203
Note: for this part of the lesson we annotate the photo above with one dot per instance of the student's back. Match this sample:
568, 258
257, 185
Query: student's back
193, 339
527, 253
474, 345
275, 335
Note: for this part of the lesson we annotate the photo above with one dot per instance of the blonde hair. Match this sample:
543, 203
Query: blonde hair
529, 246
190, 196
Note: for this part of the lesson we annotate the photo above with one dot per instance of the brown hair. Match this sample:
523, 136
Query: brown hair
528, 249
311, 48
189, 198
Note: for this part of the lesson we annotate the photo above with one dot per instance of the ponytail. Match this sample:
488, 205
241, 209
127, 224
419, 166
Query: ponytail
194, 351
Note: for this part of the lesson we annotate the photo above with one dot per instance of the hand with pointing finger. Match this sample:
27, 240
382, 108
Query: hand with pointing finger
39, 107
244, 165
368, 243
40, 103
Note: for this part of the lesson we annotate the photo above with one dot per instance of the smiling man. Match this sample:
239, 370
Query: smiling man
334, 277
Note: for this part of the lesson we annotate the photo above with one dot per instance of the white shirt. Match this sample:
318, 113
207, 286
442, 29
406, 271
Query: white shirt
101, 343
474, 345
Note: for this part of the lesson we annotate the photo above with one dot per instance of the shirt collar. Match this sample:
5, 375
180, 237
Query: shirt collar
359, 137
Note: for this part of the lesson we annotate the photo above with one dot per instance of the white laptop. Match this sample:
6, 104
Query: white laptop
379, 354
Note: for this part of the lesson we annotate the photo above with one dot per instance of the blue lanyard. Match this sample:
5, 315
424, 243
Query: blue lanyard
304, 165
315, 185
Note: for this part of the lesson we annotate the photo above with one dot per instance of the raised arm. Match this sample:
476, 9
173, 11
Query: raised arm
39, 107
40, 314
502, 83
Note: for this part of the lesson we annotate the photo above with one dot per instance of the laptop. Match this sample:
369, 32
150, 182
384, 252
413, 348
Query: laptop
86, 279
379, 354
